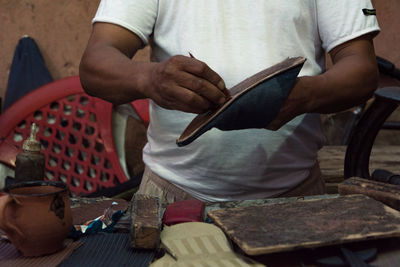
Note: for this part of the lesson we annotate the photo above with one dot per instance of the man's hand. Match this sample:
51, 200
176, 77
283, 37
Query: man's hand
185, 84
181, 82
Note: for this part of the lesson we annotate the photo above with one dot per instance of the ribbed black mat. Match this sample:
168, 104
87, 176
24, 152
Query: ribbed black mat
104, 249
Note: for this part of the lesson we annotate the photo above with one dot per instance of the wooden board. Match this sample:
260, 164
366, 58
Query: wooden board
309, 223
209, 206
389, 194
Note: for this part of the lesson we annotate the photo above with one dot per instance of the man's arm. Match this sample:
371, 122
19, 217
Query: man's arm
350, 81
180, 83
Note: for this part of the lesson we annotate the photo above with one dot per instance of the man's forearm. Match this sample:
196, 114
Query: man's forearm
107, 73
178, 83
348, 83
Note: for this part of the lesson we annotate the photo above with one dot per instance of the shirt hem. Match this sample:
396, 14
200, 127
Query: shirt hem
161, 172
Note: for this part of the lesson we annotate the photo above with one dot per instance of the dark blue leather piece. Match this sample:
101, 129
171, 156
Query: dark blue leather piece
256, 108
259, 106
389, 93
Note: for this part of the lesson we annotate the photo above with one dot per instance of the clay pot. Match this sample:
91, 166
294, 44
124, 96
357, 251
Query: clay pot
36, 216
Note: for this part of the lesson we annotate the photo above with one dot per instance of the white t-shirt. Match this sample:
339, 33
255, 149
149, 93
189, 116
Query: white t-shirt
238, 38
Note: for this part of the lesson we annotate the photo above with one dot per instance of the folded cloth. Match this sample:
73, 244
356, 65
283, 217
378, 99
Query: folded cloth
198, 244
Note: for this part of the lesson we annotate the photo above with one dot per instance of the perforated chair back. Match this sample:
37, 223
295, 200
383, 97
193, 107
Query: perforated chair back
75, 133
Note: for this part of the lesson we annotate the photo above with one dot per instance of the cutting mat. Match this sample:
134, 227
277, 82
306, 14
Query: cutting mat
288, 226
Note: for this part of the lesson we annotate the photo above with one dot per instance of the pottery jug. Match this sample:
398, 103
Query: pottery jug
36, 216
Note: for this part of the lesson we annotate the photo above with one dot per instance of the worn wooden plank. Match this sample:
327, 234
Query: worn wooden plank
259, 202
310, 223
386, 193
146, 222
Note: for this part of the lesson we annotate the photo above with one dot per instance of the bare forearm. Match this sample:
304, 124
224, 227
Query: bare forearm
178, 83
107, 73
348, 83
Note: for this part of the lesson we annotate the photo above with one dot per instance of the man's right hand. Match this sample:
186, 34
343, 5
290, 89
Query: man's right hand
180, 83
186, 84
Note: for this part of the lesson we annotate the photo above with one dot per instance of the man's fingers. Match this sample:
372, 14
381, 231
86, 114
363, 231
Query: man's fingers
202, 70
187, 84
186, 100
201, 87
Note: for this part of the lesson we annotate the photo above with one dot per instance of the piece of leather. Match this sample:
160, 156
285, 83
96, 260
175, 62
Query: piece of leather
190, 210
255, 102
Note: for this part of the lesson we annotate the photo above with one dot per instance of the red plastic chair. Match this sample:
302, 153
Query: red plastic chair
75, 133
141, 106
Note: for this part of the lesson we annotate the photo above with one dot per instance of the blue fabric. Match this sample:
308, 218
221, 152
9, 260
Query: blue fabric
96, 227
28, 71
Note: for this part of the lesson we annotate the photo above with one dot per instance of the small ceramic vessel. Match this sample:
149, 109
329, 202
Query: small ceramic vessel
36, 216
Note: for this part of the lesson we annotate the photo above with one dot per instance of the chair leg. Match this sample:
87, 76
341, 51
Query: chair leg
363, 135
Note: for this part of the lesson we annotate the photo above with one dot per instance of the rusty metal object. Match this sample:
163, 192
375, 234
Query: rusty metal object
363, 135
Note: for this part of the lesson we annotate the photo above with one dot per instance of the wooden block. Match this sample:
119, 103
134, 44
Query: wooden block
278, 227
146, 217
388, 194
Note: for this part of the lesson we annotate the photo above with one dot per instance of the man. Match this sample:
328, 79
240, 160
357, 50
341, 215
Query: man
231, 40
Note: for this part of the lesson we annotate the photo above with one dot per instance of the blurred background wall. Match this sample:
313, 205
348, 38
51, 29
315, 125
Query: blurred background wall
61, 30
